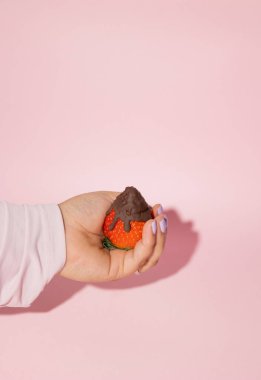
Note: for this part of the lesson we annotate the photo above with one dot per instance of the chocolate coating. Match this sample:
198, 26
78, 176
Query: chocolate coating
130, 205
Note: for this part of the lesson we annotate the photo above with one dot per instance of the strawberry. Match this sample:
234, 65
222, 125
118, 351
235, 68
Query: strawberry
124, 221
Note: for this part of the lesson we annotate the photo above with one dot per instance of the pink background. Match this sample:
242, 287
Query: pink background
166, 94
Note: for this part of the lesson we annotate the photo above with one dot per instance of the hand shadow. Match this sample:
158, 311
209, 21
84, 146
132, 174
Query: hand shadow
180, 246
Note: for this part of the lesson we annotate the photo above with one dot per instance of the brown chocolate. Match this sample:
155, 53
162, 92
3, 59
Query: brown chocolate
130, 205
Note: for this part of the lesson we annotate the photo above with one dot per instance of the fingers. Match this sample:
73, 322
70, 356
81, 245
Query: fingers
146, 252
124, 263
157, 210
161, 233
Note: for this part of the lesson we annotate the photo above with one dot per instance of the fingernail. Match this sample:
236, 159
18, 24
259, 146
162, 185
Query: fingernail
137, 272
163, 225
160, 210
154, 226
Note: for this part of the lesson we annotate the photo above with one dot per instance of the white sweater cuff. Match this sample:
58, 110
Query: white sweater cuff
32, 250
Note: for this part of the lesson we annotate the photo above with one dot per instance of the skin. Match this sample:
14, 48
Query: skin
86, 259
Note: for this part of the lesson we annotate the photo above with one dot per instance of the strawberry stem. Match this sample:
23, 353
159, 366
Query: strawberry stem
108, 244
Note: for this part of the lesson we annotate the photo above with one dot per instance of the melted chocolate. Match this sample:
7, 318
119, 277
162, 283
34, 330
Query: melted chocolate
130, 205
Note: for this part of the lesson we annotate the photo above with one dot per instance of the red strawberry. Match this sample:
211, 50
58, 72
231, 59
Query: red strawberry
125, 219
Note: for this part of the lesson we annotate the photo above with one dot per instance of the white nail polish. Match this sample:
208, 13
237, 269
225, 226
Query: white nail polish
163, 225
160, 210
154, 226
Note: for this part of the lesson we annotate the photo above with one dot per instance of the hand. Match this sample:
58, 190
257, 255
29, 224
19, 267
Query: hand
87, 260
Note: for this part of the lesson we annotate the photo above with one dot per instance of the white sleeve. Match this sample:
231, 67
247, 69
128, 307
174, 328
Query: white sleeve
32, 250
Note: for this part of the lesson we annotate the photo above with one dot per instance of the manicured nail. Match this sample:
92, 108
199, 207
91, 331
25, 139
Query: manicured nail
154, 226
160, 210
163, 225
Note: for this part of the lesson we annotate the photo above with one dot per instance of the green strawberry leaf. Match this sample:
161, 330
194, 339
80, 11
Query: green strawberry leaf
108, 244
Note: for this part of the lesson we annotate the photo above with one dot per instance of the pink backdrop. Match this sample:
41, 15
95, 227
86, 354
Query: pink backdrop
166, 94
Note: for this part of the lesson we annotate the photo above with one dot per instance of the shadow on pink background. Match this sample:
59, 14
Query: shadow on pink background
167, 92
180, 246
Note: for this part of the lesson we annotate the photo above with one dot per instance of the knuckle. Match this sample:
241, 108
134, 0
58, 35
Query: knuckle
155, 262
143, 263
149, 244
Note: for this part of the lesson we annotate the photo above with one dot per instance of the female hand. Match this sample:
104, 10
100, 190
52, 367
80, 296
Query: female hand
86, 258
